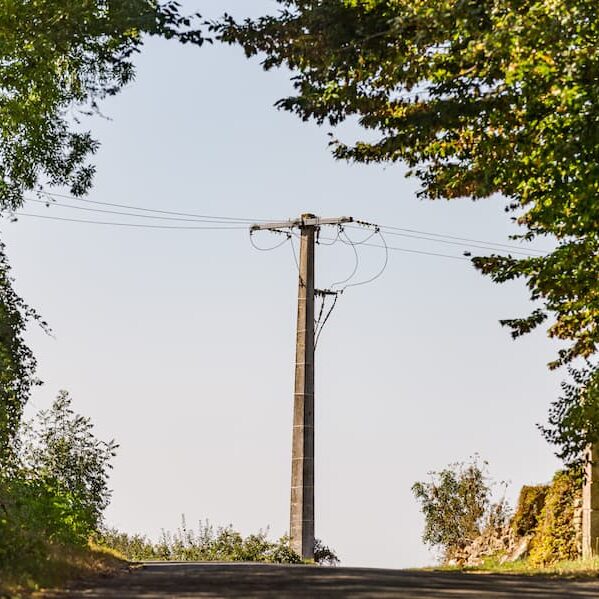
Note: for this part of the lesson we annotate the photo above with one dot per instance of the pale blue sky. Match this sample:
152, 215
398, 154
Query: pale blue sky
180, 344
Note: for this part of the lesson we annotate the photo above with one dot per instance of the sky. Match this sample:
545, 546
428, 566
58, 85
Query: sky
179, 344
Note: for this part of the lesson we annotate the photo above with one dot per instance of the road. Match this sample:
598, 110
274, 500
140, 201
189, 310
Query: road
170, 580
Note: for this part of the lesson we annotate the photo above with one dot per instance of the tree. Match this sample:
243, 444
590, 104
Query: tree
478, 97
60, 450
574, 417
54, 493
456, 504
17, 363
59, 59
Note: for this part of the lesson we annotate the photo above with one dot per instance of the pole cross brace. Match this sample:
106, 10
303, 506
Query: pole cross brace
304, 221
325, 292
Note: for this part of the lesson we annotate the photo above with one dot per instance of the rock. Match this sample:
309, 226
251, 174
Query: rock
520, 551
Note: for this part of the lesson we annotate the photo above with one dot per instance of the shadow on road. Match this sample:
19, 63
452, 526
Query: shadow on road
162, 580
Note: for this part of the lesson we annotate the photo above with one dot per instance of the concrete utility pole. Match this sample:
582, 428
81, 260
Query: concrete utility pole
301, 528
302, 455
590, 504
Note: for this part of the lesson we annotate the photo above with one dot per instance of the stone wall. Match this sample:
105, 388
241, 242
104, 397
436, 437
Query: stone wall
527, 529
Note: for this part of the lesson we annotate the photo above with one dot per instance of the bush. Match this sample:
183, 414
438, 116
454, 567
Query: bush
323, 555
59, 449
56, 490
205, 544
17, 363
555, 535
456, 504
530, 505
210, 544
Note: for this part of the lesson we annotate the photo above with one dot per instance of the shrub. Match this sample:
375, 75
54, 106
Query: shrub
455, 504
324, 555
555, 535
210, 544
530, 505
56, 490
17, 363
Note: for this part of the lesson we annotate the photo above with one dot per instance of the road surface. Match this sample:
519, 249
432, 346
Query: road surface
171, 580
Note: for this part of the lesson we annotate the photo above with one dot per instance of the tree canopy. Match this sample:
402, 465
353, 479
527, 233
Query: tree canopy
478, 97
17, 363
57, 61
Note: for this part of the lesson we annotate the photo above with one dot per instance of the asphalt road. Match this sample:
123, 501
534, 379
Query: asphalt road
161, 581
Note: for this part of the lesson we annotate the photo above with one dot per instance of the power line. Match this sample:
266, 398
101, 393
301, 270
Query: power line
356, 263
139, 226
326, 244
274, 247
102, 211
226, 220
389, 230
295, 255
326, 318
222, 228
154, 210
502, 248
380, 273
398, 249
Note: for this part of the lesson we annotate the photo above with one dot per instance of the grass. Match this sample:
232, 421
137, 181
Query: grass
62, 566
574, 568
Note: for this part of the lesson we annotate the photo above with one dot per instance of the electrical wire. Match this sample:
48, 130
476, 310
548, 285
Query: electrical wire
365, 240
522, 252
336, 239
321, 312
389, 230
235, 223
356, 262
294, 253
154, 210
135, 225
380, 273
398, 249
146, 216
274, 247
318, 333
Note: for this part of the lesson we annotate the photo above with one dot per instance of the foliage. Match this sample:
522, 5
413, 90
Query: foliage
324, 555
210, 544
17, 363
205, 544
570, 568
478, 97
59, 59
529, 508
574, 417
54, 495
555, 535
457, 507
61, 450
458, 513
59, 565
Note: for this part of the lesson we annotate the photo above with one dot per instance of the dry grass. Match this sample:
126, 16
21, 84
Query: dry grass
572, 569
63, 565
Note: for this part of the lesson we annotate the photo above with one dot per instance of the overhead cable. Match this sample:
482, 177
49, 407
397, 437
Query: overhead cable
398, 249
274, 247
157, 211
135, 225
380, 273
356, 259
389, 230
146, 216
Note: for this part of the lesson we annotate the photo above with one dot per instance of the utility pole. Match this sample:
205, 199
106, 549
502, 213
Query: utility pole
301, 529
